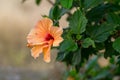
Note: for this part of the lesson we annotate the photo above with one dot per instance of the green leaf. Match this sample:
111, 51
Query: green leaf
97, 13
92, 3
66, 3
100, 46
68, 45
118, 60
37, 2
116, 44
102, 74
88, 42
61, 56
78, 22
55, 13
101, 33
91, 63
86, 52
78, 37
113, 18
109, 50
76, 57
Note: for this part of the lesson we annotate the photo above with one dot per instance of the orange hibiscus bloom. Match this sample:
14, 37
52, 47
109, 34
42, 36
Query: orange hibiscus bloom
42, 37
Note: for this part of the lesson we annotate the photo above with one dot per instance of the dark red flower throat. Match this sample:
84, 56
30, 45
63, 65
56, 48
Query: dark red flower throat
49, 37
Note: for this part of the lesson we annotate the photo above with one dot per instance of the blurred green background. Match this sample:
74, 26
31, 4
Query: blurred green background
16, 63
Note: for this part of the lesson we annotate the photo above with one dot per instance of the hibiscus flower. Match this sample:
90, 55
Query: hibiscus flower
42, 37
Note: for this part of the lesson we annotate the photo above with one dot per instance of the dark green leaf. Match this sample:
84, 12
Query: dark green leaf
68, 58
113, 18
116, 44
55, 13
61, 56
88, 42
66, 3
91, 3
78, 22
99, 46
86, 52
118, 60
112, 60
68, 45
63, 11
101, 33
76, 57
91, 63
109, 50
97, 13
37, 2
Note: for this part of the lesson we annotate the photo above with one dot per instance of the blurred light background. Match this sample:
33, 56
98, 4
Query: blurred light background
16, 63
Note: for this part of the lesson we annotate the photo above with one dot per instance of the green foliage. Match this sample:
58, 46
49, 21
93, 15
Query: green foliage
109, 50
116, 44
76, 57
88, 42
55, 13
94, 25
78, 22
68, 45
91, 64
113, 18
66, 3
102, 32
92, 3
118, 61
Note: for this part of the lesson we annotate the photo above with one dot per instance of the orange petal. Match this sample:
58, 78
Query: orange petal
56, 31
57, 41
46, 52
45, 24
36, 50
35, 37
